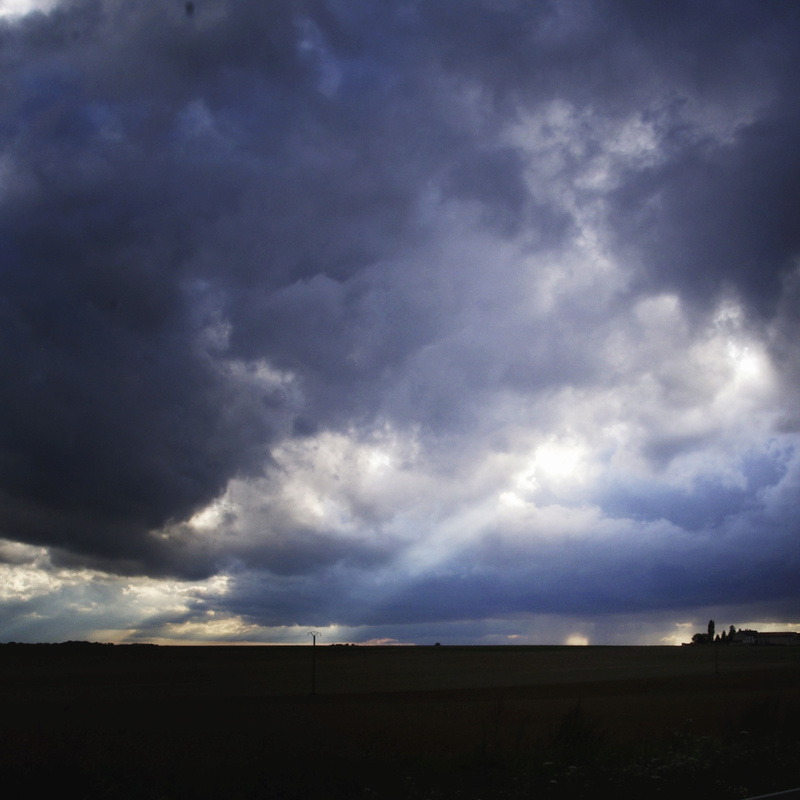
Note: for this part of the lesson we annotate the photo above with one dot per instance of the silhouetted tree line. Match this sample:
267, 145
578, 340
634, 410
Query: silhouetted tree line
711, 637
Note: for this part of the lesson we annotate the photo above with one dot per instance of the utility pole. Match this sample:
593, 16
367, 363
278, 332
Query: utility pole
313, 635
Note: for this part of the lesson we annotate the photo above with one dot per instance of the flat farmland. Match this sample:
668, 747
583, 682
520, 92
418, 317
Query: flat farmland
130, 721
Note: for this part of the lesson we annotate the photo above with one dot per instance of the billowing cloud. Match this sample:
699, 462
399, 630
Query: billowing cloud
395, 319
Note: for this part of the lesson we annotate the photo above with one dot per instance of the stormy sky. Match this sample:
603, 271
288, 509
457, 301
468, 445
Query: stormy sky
413, 321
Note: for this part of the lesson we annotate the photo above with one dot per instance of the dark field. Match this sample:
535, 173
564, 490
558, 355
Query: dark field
399, 722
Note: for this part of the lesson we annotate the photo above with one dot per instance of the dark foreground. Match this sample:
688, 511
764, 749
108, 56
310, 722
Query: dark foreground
436, 722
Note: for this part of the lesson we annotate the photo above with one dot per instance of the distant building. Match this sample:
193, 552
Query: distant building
744, 637
771, 638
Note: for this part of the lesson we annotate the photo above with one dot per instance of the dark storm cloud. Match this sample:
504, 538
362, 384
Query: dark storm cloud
719, 215
713, 216
265, 254
116, 421
722, 218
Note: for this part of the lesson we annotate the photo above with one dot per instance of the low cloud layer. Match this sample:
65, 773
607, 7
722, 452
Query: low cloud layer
409, 321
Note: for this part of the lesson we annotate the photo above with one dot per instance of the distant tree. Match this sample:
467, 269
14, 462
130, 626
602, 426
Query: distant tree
699, 638
724, 637
731, 632
711, 630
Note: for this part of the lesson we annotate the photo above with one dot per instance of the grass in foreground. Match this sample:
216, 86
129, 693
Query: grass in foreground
460, 723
